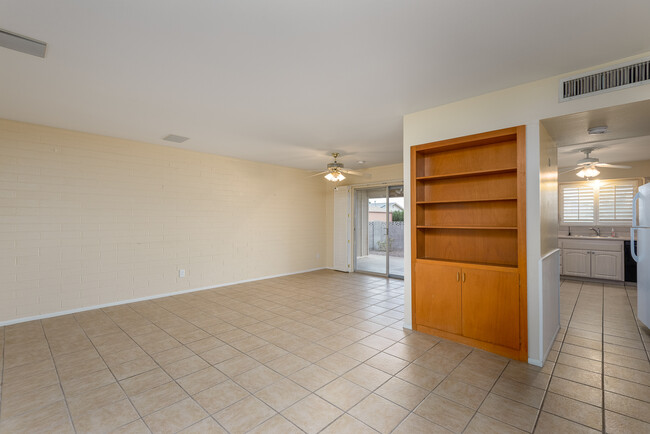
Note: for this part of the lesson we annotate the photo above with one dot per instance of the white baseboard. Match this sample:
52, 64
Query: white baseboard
150, 297
535, 362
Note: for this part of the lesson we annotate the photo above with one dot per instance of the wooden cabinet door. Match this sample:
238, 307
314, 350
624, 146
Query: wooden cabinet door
576, 263
437, 296
490, 303
606, 265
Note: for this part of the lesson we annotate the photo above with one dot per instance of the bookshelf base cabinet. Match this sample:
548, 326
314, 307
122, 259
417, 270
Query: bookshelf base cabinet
468, 240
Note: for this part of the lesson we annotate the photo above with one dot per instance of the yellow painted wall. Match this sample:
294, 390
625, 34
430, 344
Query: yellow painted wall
87, 220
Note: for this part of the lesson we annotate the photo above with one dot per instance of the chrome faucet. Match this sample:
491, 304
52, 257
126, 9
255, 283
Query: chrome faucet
597, 230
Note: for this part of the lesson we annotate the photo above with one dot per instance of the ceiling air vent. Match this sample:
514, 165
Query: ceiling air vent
174, 138
612, 78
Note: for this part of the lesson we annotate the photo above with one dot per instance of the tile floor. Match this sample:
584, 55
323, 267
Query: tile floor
316, 352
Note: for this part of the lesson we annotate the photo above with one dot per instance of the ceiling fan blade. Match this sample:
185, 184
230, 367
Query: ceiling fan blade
319, 173
569, 170
612, 166
351, 172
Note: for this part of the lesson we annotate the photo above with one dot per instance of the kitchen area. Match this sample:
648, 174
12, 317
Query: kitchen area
603, 160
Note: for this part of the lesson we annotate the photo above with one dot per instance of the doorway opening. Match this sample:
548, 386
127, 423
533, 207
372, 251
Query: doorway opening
379, 230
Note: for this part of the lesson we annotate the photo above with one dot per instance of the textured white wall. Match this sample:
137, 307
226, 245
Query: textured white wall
88, 220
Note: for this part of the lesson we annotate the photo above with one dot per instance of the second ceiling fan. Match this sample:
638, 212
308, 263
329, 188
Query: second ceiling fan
588, 166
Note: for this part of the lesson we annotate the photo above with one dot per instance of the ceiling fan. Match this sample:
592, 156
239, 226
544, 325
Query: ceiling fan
335, 170
588, 166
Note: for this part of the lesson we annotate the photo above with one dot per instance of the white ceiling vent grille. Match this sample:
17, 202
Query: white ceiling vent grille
174, 138
613, 78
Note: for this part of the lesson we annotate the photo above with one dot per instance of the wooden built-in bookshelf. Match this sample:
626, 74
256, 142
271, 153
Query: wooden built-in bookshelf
468, 219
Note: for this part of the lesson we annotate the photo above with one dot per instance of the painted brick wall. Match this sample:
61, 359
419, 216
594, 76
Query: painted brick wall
88, 220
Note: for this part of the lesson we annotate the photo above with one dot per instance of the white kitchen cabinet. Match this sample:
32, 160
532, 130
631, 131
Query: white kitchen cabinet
576, 263
606, 265
590, 258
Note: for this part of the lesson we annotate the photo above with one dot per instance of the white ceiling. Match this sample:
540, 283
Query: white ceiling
289, 81
627, 137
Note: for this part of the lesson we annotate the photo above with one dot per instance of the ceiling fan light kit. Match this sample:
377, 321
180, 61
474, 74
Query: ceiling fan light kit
588, 166
334, 176
588, 172
335, 170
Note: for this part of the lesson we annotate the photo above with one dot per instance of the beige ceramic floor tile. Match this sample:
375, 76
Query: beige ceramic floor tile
627, 388
175, 417
21, 402
288, 364
589, 378
415, 424
387, 363
312, 414
618, 423
379, 413
53, 418
282, 394
574, 410
461, 393
157, 398
207, 425
148, 380
578, 391
276, 425
519, 392
95, 398
338, 363
550, 424
481, 424
222, 395
346, 424
135, 427
445, 413
402, 393
257, 378
342, 393
312, 377
422, 377
509, 411
106, 419
201, 380
244, 415
628, 406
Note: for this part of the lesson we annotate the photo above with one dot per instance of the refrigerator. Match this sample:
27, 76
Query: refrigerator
640, 232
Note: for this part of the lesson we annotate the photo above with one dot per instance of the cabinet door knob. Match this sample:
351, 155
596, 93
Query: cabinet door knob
457, 276
464, 277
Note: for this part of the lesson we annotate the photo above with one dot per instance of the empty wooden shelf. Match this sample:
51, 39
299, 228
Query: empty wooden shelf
469, 240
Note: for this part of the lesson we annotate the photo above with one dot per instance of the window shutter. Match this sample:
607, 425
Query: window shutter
578, 203
615, 202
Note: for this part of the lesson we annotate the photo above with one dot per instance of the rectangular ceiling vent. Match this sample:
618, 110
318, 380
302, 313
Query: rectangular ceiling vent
605, 80
174, 138
26, 45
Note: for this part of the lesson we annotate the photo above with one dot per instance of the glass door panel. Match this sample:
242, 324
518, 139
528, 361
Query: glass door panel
395, 240
371, 219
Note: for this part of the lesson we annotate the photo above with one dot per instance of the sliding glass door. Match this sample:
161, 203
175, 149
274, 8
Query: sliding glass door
379, 230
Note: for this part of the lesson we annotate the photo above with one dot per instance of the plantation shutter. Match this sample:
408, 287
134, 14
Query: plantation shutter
615, 202
578, 203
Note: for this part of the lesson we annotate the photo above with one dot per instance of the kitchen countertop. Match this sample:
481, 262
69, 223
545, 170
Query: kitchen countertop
590, 237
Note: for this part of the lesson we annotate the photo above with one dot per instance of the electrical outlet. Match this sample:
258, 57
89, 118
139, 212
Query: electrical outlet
181, 273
